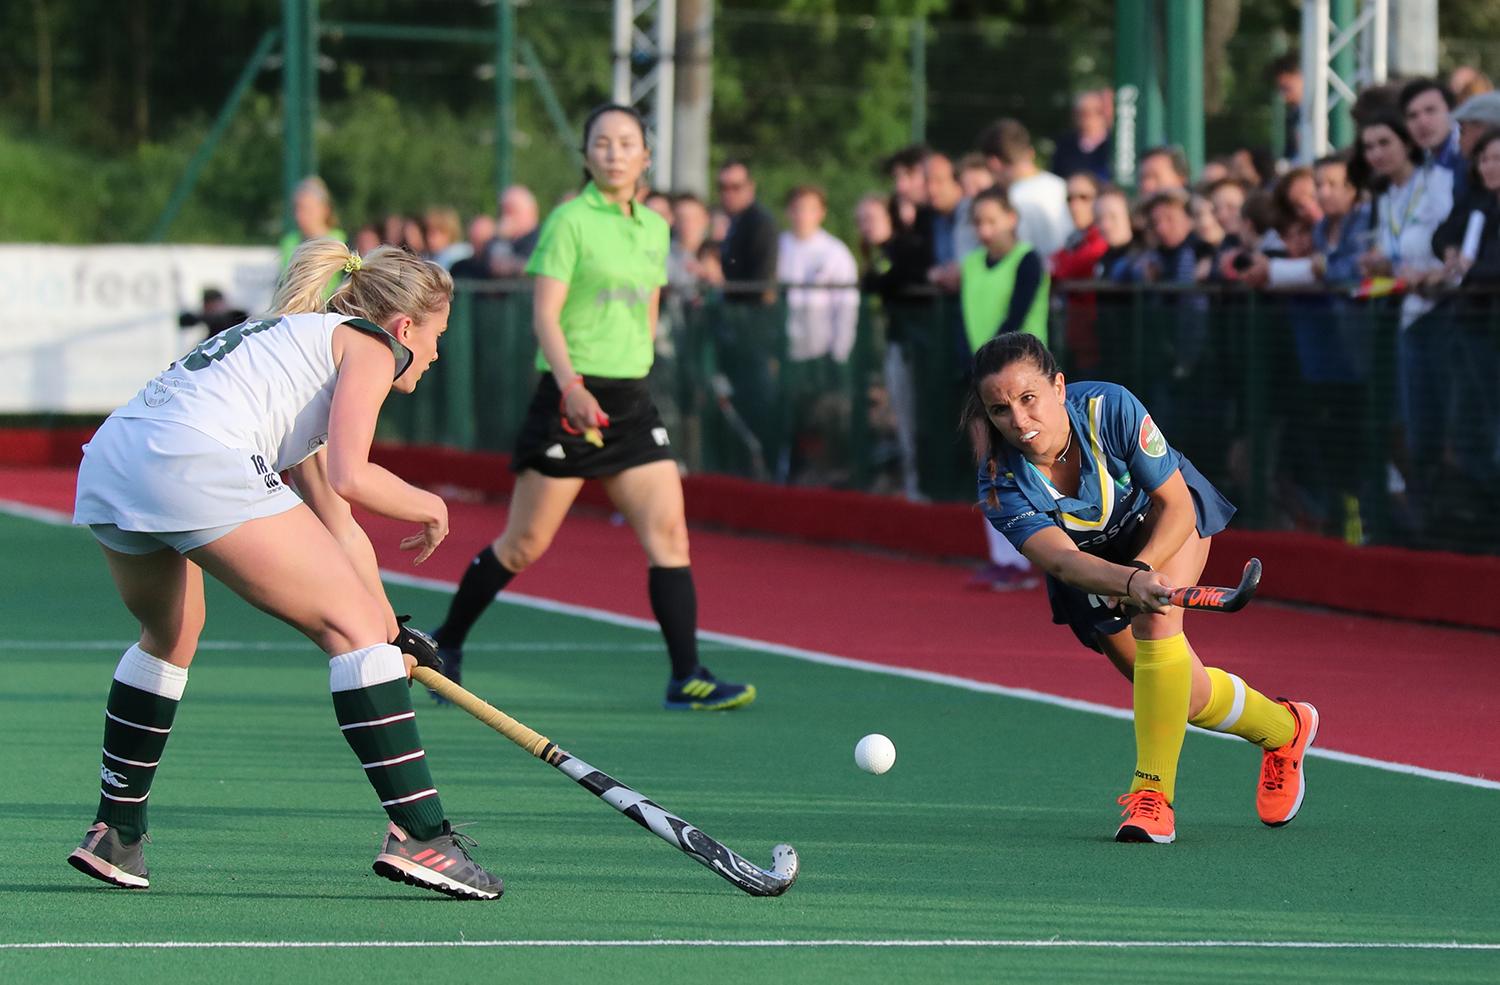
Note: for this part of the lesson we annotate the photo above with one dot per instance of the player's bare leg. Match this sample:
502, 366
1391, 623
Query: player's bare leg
164, 591
290, 566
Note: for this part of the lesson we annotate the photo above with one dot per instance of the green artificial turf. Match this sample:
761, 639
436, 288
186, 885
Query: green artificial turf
995, 824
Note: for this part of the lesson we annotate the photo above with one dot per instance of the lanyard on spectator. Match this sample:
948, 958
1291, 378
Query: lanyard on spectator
1412, 198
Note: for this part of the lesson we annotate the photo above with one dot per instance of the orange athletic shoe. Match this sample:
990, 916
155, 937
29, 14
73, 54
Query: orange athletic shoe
1148, 817
1282, 779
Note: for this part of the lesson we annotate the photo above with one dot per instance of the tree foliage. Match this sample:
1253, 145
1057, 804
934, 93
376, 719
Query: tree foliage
103, 103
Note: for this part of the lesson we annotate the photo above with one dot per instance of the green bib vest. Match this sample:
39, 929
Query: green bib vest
985, 296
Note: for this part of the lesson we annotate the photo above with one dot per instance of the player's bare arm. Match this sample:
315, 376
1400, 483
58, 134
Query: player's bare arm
1054, 552
310, 476
1173, 521
365, 371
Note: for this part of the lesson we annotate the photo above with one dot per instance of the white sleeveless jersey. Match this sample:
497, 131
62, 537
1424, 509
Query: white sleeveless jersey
265, 385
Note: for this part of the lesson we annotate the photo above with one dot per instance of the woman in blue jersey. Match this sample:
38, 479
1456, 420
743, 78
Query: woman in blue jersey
186, 479
1082, 481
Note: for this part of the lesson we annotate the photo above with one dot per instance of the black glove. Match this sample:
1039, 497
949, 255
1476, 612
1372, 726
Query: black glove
417, 644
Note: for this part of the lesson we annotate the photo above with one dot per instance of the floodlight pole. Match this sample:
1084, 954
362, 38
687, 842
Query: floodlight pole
1341, 53
645, 66
693, 69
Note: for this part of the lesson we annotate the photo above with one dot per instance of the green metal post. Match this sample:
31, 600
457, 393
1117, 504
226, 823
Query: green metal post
1137, 336
505, 92
1277, 141
1185, 79
860, 362
919, 80
309, 118
459, 405
293, 78
189, 178
1383, 322
550, 103
1340, 121
1138, 100
407, 32
1256, 410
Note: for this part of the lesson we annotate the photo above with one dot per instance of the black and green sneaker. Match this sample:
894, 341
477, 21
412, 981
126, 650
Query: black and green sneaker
702, 691
441, 864
106, 858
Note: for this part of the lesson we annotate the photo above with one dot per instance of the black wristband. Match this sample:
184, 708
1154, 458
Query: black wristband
1131, 579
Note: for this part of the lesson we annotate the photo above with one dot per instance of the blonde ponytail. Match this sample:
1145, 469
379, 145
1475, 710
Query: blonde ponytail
304, 283
386, 282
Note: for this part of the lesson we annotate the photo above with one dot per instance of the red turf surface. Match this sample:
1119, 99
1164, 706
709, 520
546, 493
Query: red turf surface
1400, 691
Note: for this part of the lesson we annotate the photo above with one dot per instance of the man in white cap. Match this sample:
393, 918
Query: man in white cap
1475, 117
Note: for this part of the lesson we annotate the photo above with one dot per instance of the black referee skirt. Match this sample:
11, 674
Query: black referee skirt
635, 436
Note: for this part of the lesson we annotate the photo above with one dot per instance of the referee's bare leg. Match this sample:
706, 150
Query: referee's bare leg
538, 505
650, 498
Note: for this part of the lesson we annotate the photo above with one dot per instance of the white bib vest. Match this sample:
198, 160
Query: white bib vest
265, 385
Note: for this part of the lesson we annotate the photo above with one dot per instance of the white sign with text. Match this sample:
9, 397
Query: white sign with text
86, 326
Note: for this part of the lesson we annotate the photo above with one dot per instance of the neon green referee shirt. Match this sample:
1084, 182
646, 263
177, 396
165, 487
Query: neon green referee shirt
611, 262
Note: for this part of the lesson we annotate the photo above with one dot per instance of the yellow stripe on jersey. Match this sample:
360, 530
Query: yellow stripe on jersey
1101, 470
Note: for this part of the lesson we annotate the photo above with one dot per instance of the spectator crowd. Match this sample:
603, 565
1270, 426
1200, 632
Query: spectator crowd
1411, 210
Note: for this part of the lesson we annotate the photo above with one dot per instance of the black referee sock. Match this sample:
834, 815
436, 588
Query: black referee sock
484, 577
674, 602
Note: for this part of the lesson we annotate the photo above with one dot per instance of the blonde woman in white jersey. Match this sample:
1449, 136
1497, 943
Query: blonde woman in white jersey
184, 479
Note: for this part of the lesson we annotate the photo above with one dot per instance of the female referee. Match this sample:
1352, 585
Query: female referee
1083, 483
599, 266
184, 479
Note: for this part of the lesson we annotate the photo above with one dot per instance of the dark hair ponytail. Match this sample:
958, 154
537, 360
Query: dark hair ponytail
593, 117
992, 357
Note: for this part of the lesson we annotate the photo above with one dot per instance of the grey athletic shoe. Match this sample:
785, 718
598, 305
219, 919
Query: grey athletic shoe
441, 864
103, 856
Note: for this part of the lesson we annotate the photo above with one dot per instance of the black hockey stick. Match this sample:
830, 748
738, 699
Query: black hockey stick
653, 817
1210, 599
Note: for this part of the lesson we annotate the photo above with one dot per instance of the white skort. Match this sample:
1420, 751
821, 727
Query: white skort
145, 485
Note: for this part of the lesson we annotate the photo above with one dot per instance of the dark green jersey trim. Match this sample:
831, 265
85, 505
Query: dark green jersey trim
403, 355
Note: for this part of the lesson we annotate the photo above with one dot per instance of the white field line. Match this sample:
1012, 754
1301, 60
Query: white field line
707, 943
814, 656
29, 512
267, 646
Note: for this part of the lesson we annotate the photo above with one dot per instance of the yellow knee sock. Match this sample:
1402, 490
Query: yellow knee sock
1163, 683
1237, 708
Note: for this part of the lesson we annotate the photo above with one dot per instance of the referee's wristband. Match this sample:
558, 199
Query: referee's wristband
562, 398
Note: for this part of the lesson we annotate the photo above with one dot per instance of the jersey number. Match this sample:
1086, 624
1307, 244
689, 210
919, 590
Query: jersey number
216, 348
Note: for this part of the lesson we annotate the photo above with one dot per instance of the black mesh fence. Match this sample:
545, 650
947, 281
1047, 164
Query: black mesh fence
1312, 412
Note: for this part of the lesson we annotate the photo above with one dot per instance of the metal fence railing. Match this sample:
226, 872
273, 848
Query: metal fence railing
1310, 411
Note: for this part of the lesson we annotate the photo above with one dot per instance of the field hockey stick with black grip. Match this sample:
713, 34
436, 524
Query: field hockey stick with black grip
1207, 598
667, 826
